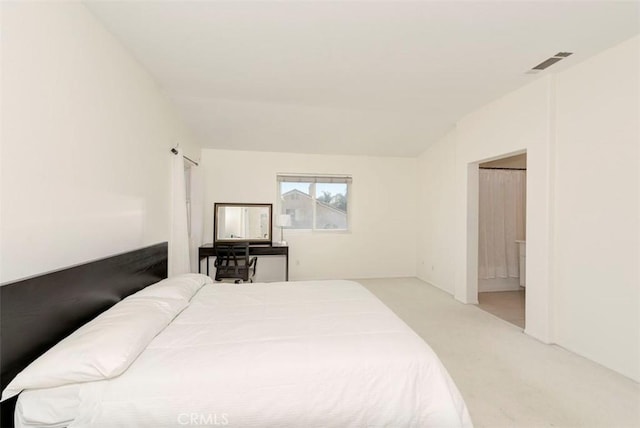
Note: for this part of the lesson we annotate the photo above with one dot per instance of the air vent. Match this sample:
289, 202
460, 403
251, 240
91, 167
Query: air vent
546, 63
549, 62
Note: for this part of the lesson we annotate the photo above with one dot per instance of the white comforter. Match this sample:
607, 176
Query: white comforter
298, 354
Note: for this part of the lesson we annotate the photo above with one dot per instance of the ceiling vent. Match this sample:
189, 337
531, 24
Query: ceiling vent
549, 62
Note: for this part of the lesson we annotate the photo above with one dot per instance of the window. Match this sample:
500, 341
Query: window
317, 202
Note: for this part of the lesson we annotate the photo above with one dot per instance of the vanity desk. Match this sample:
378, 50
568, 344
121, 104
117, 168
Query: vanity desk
208, 250
244, 223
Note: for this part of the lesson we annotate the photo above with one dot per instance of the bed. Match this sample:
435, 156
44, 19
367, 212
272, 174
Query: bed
293, 354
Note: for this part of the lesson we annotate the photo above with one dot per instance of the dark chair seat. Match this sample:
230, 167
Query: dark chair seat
233, 262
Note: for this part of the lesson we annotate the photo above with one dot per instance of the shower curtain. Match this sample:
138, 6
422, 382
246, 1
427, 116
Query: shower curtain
502, 214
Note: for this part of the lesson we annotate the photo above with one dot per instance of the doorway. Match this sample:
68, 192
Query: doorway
502, 238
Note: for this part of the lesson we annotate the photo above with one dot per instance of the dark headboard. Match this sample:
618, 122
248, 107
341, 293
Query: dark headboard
38, 312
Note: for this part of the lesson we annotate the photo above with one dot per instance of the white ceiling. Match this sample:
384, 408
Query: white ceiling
376, 78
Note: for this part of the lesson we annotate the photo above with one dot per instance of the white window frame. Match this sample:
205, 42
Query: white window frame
313, 179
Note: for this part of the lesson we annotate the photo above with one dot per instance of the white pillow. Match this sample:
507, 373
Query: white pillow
177, 287
101, 349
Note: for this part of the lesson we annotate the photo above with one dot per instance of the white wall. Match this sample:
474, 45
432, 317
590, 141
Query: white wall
597, 216
85, 141
382, 239
582, 217
436, 204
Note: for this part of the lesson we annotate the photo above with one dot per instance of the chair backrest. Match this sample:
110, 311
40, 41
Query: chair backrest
232, 261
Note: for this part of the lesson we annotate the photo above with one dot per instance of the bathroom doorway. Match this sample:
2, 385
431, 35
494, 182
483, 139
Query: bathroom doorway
502, 238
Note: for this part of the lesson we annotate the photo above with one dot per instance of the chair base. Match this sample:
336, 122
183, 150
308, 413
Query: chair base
234, 281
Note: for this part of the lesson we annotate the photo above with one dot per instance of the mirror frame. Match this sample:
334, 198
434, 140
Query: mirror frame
218, 205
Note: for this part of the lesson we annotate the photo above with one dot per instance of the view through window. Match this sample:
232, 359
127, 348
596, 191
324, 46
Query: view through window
315, 202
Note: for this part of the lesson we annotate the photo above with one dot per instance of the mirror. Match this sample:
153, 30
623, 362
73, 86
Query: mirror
242, 223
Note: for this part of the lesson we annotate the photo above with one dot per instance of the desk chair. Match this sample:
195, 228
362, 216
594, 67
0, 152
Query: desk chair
233, 262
